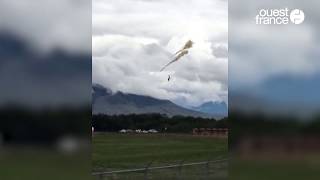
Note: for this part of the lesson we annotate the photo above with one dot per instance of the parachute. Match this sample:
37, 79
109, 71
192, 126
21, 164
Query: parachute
180, 53
175, 59
188, 45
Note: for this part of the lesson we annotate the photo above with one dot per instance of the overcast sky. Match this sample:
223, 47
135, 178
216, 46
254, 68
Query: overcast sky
277, 64
260, 52
48, 25
133, 39
45, 52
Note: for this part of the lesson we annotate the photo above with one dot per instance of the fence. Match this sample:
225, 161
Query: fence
216, 169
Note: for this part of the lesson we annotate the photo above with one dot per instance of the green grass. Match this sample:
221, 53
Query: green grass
18, 163
275, 169
122, 151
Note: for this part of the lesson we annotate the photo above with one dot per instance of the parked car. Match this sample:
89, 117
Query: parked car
152, 131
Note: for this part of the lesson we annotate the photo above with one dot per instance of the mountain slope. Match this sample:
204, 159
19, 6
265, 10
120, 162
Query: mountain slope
219, 109
106, 102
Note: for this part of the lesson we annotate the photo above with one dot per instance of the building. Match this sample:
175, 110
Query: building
217, 132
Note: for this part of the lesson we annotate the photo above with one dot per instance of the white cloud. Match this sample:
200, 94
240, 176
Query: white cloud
132, 40
46, 24
262, 52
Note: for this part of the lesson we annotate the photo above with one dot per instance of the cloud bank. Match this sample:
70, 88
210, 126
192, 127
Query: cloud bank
274, 68
133, 40
47, 25
45, 52
261, 52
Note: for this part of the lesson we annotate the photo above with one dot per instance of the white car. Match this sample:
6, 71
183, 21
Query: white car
152, 131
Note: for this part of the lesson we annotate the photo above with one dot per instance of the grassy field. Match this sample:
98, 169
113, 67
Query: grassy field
122, 151
275, 169
30, 163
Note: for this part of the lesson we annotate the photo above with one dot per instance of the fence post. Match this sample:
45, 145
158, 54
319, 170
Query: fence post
146, 170
113, 176
180, 169
100, 176
208, 169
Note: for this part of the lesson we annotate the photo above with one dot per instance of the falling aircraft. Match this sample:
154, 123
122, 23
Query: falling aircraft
188, 45
180, 53
175, 59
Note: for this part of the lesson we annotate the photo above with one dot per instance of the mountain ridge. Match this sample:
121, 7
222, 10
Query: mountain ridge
213, 108
115, 103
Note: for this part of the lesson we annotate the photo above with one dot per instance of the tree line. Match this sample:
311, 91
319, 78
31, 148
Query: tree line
258, 125
160, 122
43, 126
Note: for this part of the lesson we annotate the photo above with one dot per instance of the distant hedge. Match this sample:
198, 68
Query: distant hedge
43, 126
162, 123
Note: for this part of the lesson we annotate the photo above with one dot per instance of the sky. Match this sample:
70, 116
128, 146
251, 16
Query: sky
45, 52
47, 25
276, 65
133, 39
